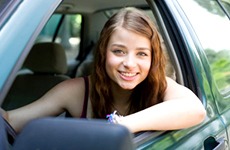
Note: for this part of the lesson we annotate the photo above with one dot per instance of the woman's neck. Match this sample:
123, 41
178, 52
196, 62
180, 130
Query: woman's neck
121, 99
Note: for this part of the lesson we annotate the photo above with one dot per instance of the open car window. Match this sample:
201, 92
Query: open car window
64, 29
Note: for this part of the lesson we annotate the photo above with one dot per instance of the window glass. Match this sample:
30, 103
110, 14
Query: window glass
213, 33
68, 34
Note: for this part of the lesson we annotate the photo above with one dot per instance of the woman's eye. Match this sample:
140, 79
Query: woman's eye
118, 52
142, 54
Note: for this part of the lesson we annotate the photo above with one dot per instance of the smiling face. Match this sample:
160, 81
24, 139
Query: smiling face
128, 58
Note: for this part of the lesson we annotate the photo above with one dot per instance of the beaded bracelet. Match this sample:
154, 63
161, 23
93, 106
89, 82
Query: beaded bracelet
113, 117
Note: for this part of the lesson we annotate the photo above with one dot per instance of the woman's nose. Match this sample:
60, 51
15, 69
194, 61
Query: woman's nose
129, 62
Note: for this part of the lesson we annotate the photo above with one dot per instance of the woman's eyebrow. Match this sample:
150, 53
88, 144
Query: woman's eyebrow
138, 48
119, 45
144, 48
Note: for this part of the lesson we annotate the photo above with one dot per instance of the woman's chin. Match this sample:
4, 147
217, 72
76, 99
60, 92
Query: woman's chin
128, 87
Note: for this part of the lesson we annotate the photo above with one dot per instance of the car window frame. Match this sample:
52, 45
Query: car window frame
9, 76
148, 138
7, 9
222, 4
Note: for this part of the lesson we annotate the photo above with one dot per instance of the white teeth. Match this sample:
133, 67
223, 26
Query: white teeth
128, 74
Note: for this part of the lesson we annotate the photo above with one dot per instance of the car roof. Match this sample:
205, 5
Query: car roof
90, 6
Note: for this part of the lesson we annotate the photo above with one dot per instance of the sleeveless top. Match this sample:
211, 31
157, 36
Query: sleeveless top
85, 104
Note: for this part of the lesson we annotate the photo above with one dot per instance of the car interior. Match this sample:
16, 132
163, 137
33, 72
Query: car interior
46, 66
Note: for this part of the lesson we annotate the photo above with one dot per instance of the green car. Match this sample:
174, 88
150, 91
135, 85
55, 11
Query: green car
195, 37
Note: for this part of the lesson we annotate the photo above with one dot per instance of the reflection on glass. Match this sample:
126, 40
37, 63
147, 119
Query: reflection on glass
212, 27
226, 5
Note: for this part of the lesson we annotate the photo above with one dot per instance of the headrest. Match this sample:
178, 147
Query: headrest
47, 58
69, 134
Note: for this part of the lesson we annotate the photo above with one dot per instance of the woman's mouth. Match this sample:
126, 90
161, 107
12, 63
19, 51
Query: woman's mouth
128, 75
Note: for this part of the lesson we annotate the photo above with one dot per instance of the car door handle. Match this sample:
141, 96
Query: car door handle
212, 144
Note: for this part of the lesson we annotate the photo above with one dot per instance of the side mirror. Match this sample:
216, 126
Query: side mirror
69, 134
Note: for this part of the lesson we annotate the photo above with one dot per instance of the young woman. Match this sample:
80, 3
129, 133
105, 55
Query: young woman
128, 78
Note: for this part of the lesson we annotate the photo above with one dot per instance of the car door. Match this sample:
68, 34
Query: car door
213, 34
194, 71
217, 50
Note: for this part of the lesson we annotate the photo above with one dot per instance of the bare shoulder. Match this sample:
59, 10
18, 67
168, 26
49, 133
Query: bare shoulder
68, 87
73, 90
72, 84
69, 95
175, 90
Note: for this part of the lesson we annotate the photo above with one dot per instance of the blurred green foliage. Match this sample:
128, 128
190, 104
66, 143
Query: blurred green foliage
220, 66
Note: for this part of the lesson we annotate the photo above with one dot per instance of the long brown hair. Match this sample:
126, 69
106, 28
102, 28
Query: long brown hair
150, 91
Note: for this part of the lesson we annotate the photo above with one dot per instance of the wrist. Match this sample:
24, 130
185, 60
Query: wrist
122, 120
130, 123
114, 117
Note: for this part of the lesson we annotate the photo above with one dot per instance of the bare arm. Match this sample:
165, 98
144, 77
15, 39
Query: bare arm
60, 98
180, 109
